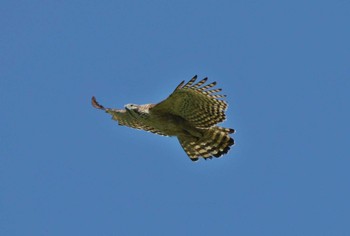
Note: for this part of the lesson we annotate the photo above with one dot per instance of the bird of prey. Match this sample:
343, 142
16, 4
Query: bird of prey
191, 113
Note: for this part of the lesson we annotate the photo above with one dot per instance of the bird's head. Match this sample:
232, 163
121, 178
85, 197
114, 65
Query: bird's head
137, 110
132, 108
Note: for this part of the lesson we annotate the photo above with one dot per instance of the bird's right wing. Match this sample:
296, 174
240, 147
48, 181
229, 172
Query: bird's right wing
195, 103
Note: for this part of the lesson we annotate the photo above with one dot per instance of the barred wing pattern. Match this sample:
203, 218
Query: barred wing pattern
198, 105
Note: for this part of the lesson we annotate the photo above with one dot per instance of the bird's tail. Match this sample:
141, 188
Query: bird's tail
216, 142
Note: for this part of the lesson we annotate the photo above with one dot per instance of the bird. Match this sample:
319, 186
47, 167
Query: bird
191, 113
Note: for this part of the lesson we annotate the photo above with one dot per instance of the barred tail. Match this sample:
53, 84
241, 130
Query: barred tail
216, 142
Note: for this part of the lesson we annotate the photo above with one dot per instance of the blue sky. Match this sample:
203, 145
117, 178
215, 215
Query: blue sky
68, 169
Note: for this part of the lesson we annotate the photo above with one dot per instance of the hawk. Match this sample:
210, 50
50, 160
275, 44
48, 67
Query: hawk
190, 113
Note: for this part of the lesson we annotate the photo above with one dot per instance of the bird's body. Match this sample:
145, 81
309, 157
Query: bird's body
190, 113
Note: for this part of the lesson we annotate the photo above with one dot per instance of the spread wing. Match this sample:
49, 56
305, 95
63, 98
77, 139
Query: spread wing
195, 103
125, 118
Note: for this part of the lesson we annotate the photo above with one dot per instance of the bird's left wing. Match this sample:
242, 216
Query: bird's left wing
125, 118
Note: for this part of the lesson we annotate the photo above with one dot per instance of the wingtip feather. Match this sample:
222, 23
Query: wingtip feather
180, 85
95, 104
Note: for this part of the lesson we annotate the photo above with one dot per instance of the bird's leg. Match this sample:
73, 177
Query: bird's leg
96, 104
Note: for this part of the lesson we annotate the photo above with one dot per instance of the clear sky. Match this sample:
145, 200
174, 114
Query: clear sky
68, 169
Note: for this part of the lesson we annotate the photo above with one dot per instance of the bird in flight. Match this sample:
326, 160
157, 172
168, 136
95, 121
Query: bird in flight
191, 113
